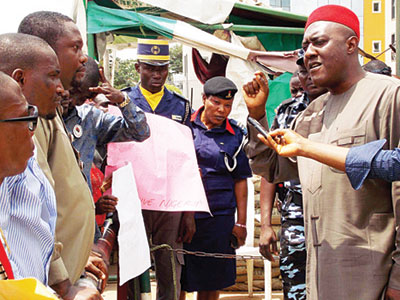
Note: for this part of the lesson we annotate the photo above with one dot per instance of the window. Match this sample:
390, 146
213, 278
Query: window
376, 47
393, 9
376, 6
284, 4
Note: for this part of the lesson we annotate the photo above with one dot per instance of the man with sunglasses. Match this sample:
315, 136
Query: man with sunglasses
27, 211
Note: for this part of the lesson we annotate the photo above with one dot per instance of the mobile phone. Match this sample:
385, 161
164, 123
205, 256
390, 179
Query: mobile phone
257, 126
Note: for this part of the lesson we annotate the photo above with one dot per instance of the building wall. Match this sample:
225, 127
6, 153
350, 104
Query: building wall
374, 28
192, 87
390, 29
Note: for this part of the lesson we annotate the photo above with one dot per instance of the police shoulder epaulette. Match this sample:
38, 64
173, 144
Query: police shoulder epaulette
180, 96
238, 124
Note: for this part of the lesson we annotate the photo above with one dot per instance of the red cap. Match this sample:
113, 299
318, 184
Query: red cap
335, 13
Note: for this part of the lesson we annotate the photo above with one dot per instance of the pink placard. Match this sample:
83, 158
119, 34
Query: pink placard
165, 167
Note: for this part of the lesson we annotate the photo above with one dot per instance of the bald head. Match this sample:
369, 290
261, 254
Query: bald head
22, 51
16, 144
10, 93
34, 65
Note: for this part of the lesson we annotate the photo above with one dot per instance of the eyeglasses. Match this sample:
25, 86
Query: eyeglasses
31, 118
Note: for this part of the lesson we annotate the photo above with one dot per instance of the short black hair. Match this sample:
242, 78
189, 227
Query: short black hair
47, 25
19, 50
378, 67
91, 77
92, 74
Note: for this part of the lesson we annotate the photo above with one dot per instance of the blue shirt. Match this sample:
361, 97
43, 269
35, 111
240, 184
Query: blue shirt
369, 161
215, 150
28, 218
172, 105
97, 129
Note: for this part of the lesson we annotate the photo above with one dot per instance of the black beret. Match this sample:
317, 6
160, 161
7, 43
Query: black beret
300, 60
221, 87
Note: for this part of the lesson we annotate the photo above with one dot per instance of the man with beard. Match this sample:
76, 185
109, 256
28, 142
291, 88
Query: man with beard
351, 235
57, 158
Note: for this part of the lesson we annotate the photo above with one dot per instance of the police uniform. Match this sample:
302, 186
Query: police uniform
292, 241
172, 105
162, 227
222, 161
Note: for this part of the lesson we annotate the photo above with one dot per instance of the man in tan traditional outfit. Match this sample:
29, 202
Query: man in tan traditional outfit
57, 158
351, 235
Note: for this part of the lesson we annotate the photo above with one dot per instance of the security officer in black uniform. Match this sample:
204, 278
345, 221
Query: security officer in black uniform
172, 228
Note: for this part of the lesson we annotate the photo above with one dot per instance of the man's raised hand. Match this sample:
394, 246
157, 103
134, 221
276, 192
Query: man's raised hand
255, 94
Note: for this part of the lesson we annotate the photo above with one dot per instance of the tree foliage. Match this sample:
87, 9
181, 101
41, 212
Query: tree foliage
125, 73
175, 53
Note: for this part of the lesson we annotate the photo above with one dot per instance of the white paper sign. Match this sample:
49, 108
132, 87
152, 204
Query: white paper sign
134, 253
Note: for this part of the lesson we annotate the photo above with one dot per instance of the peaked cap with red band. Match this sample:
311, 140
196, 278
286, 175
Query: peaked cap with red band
337, 14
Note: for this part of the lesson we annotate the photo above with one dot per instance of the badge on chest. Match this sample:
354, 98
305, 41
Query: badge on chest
176, 118
77, 131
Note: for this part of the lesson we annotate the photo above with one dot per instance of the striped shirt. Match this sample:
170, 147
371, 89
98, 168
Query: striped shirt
28, 217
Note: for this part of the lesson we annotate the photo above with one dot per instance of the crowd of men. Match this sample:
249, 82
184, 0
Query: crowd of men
336, 242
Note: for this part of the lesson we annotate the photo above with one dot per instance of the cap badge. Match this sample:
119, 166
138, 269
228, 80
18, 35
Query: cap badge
155, 49
229, 95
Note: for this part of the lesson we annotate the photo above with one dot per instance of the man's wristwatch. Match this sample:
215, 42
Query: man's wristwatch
125, 102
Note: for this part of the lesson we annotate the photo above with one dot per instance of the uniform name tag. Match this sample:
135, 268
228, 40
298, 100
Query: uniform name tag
176, 117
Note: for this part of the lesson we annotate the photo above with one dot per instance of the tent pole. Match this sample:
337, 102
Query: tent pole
91, 46
251, 28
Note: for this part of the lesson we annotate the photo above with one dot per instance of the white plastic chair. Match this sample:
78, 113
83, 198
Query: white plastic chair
249, 249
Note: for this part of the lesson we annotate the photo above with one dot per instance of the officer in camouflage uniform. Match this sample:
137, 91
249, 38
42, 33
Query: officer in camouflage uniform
292, 240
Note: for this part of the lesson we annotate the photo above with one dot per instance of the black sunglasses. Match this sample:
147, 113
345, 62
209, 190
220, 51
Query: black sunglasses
31, 118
